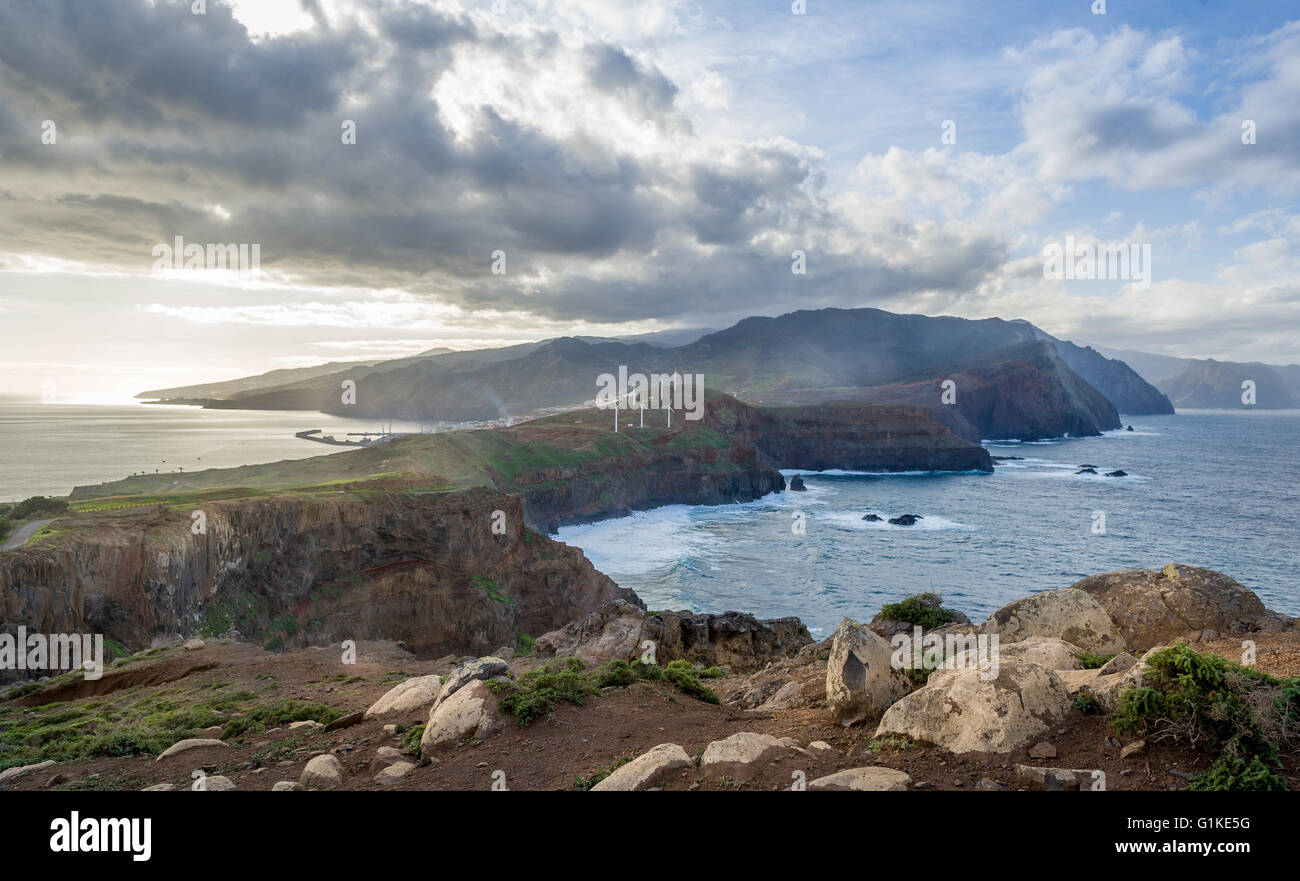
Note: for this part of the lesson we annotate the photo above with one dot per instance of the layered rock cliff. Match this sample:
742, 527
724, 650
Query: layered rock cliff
426, 569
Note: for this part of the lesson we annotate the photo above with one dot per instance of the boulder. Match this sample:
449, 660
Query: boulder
192, 743
1045, 651
796, 484
160, 787
861, 682
870, 779
647, 770
11, 773
471, 712
1059, 779
905, 519
961, 712
322, 772
287, 786
1108, 682
394, 773
471, 671
741, 756
404, 697
1152, 608
1067, 614
216, 783
618, 630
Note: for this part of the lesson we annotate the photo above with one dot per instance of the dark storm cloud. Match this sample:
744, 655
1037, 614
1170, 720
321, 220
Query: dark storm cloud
164, 115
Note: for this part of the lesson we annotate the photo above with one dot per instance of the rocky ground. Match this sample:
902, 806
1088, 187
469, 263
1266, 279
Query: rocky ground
776, 724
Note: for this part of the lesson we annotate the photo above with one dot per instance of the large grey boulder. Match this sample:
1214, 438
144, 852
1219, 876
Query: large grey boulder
870, 779
1068, 614
473, 711
412, 694
476, 670
646, 770
741, 756
861, 681
963, 712
322, 772
1152, 608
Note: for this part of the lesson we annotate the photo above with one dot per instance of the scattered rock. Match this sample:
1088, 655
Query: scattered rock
647, 770
988, 783
11, 773
193, 645
310, 724
1068, 614
394, 773
821, 746
785, 698
322, 772
905, 519
872, 518
160, 787
1133, 749
1042, 751
861, 682
796, 484
870, 779
1117, 473
1056, 779
1086, 471
192, 743
287, 786
217, 783
346, 721
961, 712
740, 756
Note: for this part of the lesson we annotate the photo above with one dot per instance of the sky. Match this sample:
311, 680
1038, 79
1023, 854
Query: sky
523, 170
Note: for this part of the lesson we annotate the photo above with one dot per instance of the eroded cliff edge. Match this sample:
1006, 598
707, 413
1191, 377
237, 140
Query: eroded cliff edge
426, 569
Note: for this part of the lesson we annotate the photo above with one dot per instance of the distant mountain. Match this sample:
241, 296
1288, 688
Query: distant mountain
1207, 383
1012, 379
1219, 384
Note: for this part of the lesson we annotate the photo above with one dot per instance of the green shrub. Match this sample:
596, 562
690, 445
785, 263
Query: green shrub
1091, 661
924, 609
1211, 703
538, 691
682, 674
38, 507
524, 645
411, 739
1235, 774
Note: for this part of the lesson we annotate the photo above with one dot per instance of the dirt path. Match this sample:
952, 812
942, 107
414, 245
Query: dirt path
23, 533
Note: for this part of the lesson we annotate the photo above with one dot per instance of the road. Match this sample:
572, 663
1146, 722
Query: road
26, 531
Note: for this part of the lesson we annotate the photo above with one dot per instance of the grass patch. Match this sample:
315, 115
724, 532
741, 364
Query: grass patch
278, 713
411, 739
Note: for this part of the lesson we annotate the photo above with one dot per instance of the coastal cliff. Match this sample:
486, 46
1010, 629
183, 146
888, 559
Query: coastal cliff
427, 570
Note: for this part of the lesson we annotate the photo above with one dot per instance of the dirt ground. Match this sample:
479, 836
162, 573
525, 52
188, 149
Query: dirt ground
555, 751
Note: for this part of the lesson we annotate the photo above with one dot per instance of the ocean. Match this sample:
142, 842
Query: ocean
47, 449
1216, 489
1207, 488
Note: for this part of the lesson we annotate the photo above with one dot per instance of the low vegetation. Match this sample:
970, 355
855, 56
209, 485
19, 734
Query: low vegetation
1245, 716
925, 610
539, 691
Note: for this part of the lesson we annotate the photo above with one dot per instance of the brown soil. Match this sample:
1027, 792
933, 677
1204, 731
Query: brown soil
573, 742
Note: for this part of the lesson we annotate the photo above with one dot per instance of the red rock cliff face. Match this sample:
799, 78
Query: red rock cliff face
425, 569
